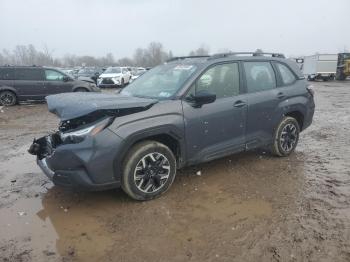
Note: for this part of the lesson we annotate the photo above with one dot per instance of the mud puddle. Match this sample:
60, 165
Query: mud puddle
45, 222
247, 207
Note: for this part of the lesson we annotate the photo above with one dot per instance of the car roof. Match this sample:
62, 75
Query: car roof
243, 56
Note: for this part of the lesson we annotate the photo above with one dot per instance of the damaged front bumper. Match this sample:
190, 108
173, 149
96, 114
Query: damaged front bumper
88, 165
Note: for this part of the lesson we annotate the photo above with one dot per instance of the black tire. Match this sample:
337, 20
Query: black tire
8, 98
143, 178
285, 143
122, 83
81, 89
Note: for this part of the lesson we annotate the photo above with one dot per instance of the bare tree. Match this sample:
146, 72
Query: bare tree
153, 55
202, 50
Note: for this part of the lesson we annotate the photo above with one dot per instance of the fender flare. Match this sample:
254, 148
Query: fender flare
8, 88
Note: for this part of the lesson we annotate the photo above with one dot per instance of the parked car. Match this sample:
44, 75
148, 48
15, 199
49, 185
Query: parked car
114, 77
20, 83
89, 72
137, 73
68, 71
181, 113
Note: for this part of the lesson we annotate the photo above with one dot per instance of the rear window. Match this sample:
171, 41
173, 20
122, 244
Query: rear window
7, 74
33, 74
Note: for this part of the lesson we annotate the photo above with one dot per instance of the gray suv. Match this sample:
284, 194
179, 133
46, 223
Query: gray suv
23, 83
186, 111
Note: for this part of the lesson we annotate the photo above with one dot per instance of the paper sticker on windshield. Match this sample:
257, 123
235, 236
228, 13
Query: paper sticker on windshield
164, 94
183, 67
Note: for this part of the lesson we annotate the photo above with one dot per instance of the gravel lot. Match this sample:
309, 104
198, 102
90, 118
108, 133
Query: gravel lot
246, 207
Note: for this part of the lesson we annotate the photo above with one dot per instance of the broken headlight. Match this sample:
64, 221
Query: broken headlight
79, 135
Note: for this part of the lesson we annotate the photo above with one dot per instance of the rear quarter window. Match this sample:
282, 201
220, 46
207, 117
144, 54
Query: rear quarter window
7, 74
287, 75
31, 74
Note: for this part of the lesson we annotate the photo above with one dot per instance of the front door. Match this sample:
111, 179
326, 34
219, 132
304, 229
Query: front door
55, 82
216, 129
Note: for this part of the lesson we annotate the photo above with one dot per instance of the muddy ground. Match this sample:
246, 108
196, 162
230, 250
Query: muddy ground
247, 207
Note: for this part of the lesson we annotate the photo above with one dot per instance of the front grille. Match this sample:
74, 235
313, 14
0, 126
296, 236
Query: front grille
107, 81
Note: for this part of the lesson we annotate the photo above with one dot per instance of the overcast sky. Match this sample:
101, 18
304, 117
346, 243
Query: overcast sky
91, 27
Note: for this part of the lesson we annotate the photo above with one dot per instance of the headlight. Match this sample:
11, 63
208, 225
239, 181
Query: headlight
79, 135
91, 85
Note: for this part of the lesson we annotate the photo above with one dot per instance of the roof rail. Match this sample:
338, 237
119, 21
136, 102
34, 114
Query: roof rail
8, 65
184, 57
222, 55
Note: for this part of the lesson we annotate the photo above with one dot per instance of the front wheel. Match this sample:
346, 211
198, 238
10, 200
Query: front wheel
149, 170
286, 137
81, 89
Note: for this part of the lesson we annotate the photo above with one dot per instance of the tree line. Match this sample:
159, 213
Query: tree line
154, 54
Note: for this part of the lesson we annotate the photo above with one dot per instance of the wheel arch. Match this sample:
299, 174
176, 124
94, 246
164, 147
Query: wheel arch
171, 139
9, 88
80, 87
297, 115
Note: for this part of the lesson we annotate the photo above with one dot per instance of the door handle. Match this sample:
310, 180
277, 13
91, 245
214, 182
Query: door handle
280, 95
239, 103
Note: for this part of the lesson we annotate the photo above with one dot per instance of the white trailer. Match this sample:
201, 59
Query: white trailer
321, 66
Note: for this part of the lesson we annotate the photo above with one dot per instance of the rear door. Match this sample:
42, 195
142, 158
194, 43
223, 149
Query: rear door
29, 83
263, 99
216, 129
55, 82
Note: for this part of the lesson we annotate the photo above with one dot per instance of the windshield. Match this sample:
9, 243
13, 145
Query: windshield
161, 82
112, 70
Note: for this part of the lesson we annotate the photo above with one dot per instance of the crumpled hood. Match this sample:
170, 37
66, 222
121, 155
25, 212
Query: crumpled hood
73, 105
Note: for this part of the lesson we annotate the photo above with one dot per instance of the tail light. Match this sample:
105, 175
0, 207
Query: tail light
310, 90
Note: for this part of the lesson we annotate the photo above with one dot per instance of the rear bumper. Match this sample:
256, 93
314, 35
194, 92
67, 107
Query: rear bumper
89, 165
309, 115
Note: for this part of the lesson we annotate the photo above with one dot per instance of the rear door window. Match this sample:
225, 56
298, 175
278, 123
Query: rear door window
31, 74
260, 76
7, 74
286, 75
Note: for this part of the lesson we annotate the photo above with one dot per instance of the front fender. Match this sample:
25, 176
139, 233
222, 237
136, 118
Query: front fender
161, 119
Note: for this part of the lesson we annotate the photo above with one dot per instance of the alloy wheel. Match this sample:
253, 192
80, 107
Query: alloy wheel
6, 98
289, 137
152, 172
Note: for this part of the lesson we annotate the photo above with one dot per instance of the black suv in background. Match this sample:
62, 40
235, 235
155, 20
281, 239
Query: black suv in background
20, 83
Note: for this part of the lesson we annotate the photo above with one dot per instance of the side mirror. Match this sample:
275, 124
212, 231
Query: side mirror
202, 97
97, 74
66, 79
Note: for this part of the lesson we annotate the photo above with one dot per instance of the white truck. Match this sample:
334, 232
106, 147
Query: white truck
320, 66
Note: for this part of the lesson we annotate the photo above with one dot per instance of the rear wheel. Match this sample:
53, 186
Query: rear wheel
8, 98
286, 137
149, 170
